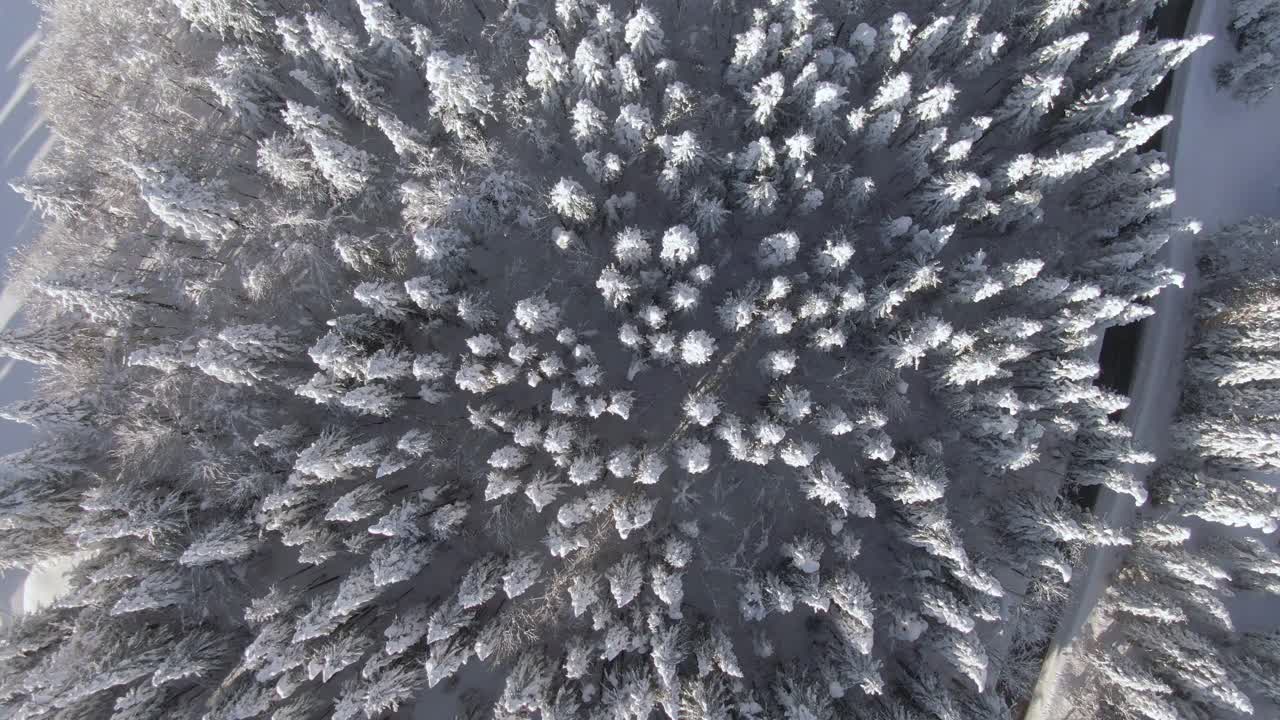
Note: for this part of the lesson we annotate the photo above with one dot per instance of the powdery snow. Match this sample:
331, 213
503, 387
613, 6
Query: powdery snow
1224, 153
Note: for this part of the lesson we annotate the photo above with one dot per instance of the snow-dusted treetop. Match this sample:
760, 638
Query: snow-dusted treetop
703, 360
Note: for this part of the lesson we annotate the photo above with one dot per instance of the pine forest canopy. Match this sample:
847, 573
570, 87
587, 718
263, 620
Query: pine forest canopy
586, 359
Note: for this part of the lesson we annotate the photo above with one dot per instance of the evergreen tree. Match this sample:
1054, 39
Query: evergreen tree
329, 407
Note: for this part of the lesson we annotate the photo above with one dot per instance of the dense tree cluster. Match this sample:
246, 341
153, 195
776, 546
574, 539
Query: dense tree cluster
1186, 645
574, 359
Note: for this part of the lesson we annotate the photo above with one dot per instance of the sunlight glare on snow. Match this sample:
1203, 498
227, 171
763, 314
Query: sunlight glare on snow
33, 129
25, 49
15, 99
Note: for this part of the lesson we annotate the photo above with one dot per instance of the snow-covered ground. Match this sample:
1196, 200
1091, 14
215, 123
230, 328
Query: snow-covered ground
1225, 157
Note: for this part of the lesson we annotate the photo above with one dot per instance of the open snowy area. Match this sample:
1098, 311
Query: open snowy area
558, 359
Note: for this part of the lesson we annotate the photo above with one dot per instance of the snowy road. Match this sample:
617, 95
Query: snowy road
1225, 157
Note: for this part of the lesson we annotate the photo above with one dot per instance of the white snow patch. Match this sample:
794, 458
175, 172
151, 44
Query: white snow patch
48, 582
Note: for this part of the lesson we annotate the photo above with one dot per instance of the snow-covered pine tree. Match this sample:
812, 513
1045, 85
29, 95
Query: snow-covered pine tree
1251, 76
324, 371
1176, 587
